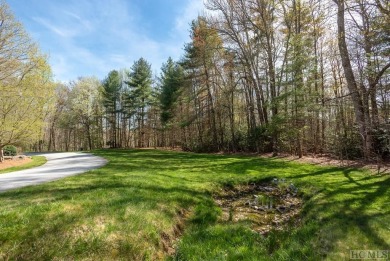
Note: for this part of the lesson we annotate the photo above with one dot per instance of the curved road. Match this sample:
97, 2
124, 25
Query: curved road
58, 165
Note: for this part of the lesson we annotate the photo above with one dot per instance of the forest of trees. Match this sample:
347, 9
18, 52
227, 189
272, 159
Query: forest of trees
266, 76
23, 71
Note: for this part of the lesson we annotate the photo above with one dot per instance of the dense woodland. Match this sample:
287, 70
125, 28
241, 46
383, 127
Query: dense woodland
277, 76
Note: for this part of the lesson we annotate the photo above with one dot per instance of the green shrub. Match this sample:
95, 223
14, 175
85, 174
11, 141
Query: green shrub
9, 150
381, 141
347, 145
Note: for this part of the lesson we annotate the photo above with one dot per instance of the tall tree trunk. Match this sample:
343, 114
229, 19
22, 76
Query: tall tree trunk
212, 109
274, 106
361, 120
88, 128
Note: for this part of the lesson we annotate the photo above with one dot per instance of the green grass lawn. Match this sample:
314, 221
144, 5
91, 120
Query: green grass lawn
131, 209
36, 161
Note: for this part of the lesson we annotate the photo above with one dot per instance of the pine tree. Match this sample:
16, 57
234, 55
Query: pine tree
140, 94
172, 79
111, 96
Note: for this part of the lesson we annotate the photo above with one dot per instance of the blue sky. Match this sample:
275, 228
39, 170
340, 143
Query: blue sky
93, 37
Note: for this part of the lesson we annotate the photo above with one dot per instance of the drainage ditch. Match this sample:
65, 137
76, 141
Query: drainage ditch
267, 206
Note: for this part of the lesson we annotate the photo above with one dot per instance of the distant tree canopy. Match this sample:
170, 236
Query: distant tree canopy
26, 88
293, 76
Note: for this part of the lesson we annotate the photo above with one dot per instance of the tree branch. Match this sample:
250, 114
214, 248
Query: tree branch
381, 72
381, 8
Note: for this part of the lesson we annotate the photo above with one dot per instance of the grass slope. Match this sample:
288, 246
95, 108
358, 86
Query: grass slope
129, 208
36, 162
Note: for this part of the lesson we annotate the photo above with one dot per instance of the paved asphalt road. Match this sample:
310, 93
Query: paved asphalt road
58, 165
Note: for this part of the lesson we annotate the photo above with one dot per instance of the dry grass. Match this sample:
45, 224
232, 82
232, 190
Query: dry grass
21, 164
9, 163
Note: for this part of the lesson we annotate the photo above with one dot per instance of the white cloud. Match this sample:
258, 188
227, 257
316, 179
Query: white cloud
179, 35
190, 12
92, 38
60, 66
84, 22
63, 32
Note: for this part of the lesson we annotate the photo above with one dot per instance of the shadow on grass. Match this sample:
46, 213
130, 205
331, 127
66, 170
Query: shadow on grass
139, 193
345, 206
350, 213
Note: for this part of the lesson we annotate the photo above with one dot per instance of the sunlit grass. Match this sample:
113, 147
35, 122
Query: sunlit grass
125, 209
36, 162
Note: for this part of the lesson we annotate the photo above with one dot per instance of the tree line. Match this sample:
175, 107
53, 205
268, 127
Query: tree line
26, 86
277, 76
298, 76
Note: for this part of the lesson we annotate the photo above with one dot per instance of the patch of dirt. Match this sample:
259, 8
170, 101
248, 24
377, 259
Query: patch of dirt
267, 206
14, 162
374, 166
168, 239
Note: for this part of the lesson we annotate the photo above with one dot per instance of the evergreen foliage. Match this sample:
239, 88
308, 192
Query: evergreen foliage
10, 150
171, 82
